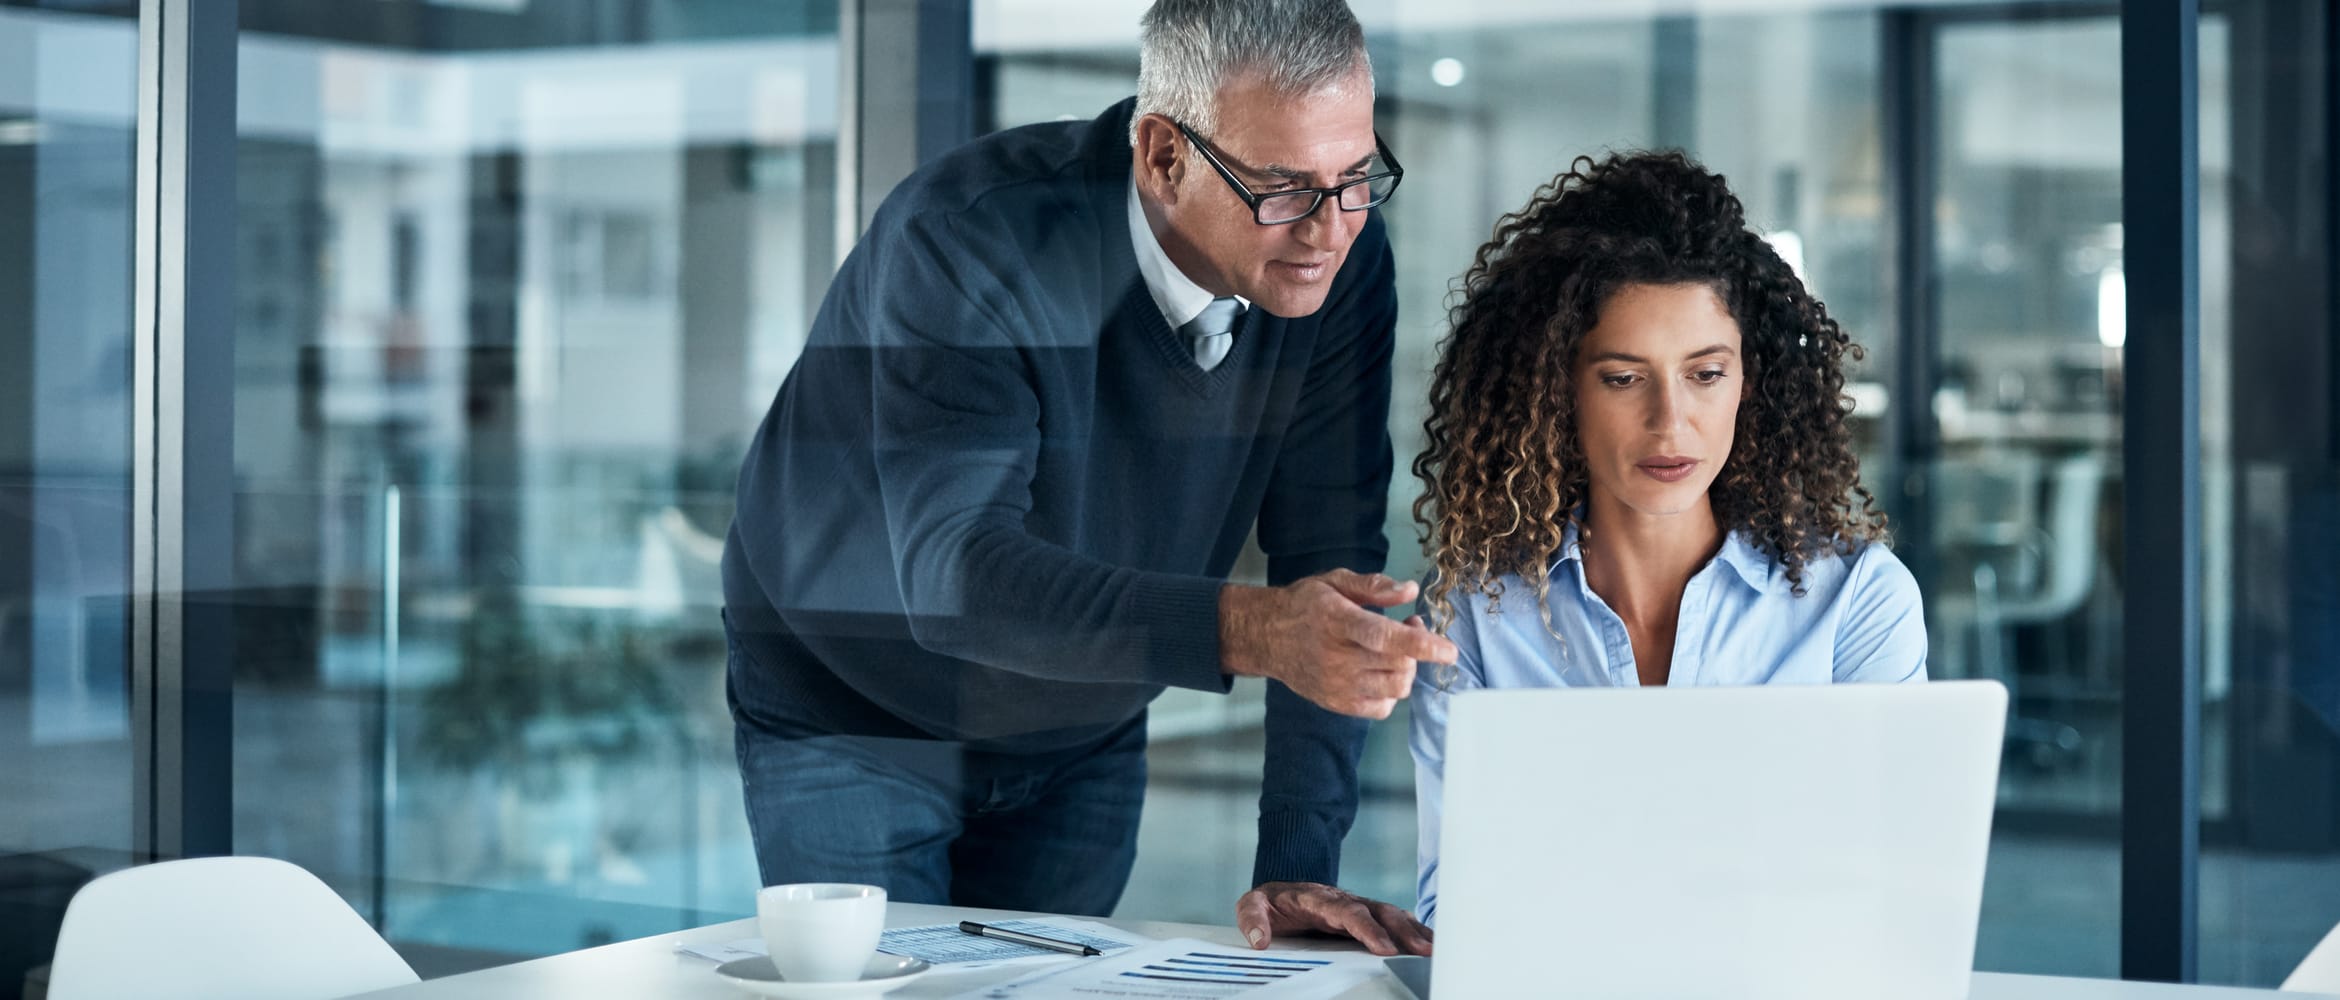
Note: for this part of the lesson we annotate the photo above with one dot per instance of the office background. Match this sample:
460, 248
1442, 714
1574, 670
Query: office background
373, 375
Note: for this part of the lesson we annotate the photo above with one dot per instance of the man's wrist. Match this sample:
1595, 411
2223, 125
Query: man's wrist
1239, 617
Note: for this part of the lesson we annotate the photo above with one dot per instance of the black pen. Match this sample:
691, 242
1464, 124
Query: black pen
1019, 937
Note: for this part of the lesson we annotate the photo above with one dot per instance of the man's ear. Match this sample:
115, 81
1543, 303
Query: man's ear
1159, 158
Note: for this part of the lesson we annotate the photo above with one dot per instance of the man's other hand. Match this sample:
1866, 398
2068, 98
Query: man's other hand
1301, 907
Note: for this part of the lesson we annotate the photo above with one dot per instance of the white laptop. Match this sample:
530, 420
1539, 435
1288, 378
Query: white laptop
1807, 842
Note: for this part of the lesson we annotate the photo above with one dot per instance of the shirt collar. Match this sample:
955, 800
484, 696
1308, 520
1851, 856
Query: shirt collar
1175, 294
1752, 565
1737, 553
1569, 552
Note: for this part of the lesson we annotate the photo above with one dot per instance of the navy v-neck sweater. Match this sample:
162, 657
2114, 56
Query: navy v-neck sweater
996, 499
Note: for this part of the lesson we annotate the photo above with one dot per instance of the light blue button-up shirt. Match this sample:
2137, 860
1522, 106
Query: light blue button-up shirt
1859, 619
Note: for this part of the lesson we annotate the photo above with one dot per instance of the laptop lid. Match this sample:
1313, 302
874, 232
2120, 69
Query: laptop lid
1813, 842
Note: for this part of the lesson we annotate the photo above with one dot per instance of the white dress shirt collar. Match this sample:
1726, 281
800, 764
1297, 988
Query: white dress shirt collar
1179, 298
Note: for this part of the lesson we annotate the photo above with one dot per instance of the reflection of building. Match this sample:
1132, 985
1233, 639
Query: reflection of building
64, 444
540, 282
493, 246
545, 289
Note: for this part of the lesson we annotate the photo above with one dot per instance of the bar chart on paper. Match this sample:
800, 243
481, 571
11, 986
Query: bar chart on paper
1186, 969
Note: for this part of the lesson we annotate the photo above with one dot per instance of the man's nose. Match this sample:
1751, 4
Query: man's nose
1328, 228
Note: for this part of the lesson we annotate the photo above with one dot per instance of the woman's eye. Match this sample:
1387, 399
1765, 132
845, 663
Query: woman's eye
1708, 377
1619, 381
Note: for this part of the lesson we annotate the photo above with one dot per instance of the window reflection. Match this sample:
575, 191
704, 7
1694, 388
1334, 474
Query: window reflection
515, 281
67, 169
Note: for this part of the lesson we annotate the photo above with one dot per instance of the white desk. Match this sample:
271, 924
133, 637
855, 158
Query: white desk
650, 969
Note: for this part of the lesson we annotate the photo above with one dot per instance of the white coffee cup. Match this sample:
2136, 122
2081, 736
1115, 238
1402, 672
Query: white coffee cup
821, 932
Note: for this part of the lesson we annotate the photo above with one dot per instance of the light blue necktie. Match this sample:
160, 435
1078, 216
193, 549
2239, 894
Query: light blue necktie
1212, 334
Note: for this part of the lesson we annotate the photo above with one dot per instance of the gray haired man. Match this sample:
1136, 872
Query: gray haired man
991, 512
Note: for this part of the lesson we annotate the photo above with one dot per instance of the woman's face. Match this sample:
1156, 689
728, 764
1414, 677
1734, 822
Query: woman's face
1658, 383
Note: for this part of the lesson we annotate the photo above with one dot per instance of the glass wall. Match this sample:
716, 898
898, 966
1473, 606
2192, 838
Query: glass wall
2271, 529
2002, 488
515, 282
67, 136
2020, 497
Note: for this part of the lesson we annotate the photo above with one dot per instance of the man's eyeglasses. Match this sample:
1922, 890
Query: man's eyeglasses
1280, 208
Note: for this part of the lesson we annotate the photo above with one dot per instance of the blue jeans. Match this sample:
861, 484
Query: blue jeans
937, 821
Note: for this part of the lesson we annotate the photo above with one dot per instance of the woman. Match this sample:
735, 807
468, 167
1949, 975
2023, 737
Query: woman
1638, 467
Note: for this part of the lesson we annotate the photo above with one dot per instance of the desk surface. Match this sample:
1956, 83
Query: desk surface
651, 969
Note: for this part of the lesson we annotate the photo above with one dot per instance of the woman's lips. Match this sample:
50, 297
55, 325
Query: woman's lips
1667, 468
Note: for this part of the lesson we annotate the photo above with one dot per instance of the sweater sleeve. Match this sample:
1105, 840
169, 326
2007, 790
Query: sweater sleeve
957, 435
1324, 510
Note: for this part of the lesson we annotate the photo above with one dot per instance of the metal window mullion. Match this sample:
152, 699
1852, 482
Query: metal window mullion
1673, 43
2161, 491
1907, 44
170, 458
849, 217
2331, 196
908, 69
146, 268
182, 478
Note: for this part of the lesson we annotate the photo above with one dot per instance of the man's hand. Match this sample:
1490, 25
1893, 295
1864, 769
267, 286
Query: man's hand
1318, 637
1293, 907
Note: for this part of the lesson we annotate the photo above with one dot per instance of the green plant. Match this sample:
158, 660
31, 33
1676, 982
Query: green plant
531, 691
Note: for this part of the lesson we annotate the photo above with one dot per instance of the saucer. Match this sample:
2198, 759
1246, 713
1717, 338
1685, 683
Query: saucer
884, 974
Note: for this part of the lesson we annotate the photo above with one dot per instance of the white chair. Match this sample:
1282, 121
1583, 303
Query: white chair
2319, 972
2025, 528
217, 929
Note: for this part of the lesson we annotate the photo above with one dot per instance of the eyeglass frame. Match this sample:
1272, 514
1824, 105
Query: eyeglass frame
1254, 199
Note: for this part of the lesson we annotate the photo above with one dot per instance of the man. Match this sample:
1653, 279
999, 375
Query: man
990, 514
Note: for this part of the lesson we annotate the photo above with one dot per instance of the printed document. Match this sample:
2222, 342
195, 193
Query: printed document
946, 946
1186, 969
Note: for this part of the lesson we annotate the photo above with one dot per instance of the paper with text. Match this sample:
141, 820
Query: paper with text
1186, 969
945, 945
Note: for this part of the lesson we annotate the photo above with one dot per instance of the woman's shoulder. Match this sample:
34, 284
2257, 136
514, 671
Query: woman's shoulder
1858, 570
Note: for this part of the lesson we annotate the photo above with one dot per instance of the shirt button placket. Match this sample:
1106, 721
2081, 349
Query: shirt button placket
1622, 670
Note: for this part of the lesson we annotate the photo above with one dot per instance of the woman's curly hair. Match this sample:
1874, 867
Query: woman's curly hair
1503, 470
